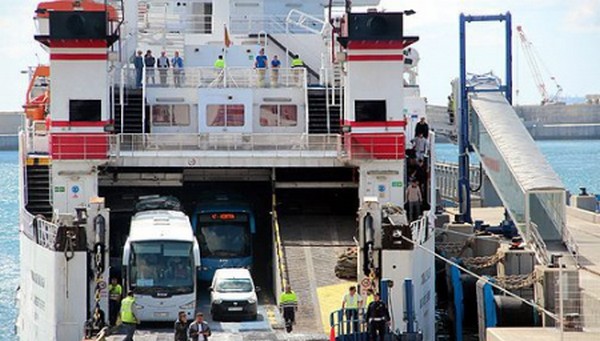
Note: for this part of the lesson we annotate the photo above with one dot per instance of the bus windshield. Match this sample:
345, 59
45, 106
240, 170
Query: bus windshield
224, 235
162, 267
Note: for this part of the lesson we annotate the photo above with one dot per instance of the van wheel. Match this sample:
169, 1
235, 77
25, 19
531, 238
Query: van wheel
253, 317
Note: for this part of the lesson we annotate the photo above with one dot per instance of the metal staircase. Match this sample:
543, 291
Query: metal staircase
128, 115
323, 118
38, 190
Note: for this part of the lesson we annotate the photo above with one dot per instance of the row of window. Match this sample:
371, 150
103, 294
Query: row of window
226, 115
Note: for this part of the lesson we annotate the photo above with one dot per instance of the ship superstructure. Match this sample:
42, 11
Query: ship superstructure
332, 132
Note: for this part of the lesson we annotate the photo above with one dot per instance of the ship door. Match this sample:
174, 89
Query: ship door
225, 111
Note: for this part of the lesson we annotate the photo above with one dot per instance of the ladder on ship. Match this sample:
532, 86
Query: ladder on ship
323, 117
38, 187
128, 111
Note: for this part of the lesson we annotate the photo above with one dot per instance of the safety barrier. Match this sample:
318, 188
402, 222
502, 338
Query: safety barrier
350, 329
447, 179
39, 230
279, 255
322, 145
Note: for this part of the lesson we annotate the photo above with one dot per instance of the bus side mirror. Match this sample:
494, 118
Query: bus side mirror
210, 288
257, 289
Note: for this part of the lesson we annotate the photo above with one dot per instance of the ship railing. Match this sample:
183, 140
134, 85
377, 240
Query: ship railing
537, 243
230, 77
325, 145
373, 146
274, 24
39, 230
447, 179
155, 18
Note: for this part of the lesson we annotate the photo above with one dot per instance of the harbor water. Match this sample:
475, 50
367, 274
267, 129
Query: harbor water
575, 162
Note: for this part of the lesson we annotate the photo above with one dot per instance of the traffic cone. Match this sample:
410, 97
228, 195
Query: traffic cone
332, 334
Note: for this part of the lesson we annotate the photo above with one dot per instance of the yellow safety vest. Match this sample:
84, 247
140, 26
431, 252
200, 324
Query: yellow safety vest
297, 62
369, 300
351, 302
220, 64
288, 299
115, 292
127, 315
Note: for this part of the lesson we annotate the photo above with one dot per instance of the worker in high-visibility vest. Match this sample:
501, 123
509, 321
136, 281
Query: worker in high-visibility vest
115, 294
351, 303
128, 316
298, 67
288, 301
369, 297
219, 70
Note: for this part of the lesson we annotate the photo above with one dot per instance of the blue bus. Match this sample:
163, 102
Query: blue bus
224, 229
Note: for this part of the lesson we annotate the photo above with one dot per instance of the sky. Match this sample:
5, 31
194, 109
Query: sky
566, 35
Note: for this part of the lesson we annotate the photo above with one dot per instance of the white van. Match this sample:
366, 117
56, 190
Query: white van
232, 294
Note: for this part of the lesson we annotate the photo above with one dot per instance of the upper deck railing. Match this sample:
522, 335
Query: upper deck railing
210, 77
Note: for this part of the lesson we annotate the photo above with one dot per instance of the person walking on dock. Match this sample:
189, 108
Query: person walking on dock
128, 316
181, 327
115, 294
289, 304
199, 329
350, 304
378, 318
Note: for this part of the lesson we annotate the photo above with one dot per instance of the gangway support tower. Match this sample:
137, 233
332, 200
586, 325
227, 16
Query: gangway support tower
464, 190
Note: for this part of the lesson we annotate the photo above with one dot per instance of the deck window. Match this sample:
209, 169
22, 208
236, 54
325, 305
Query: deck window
225, 115
171, 115
275, 115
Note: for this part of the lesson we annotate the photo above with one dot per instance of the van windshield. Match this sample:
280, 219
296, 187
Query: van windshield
234, 285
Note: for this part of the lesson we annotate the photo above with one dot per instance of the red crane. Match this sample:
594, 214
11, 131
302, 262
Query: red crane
534, 61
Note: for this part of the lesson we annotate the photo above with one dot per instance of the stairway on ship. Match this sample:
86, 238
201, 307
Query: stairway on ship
317, 112
38, 190
132, 122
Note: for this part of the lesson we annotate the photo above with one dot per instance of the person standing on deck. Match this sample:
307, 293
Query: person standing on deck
351, 302
163, 66
177, 63
275, 66
138, 63
115, 294
149, 63
378, 318
261, 65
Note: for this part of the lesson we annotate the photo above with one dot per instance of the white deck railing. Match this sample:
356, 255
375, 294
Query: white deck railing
272, 144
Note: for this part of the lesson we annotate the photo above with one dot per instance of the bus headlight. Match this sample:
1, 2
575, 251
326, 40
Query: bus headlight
251, 301
189, 305
217, 301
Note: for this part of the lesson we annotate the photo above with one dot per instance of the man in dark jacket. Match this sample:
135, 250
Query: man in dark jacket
378, 317
199, 329
181, 327
422, 128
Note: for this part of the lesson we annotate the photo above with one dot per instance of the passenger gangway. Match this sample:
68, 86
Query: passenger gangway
529, 188
531, 192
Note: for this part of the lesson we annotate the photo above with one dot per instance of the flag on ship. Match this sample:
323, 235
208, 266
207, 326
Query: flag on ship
227, 40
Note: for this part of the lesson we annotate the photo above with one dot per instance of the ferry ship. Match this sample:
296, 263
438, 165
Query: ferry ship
306, 143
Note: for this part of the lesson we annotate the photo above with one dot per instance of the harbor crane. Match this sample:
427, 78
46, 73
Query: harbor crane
534, 61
